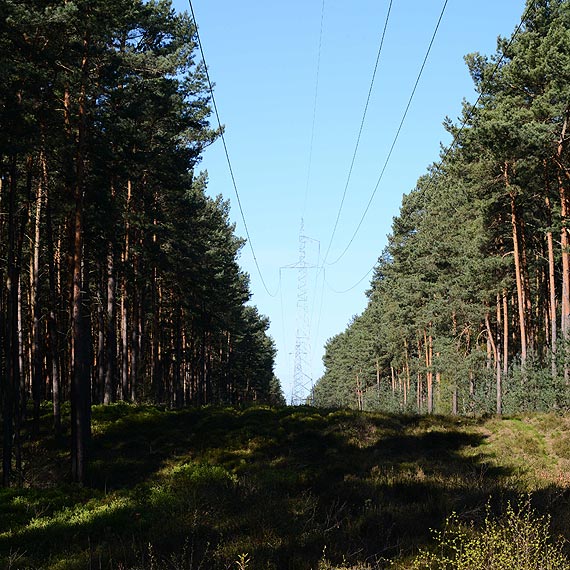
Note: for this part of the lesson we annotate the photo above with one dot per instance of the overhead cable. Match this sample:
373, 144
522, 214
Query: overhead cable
353, 286
211, 89
395, 137
360, 130
464, 122
314, 110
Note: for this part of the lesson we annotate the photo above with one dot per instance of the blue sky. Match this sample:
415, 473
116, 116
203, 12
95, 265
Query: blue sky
262, 57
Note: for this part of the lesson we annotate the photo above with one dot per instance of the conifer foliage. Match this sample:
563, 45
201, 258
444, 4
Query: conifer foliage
120, 275
469, 306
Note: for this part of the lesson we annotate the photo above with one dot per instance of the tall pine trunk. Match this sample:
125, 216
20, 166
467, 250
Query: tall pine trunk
497, 355
505, 333
551, 291
35, 308
519, 279
564, 245
12, 383
52, 319
111, 337
80, 379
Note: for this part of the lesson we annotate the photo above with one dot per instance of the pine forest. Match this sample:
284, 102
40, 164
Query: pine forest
469, 306
121, 279
144, 426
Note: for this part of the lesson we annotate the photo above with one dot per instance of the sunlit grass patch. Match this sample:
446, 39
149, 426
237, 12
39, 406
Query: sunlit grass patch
92, 514
528, 445
192, 474
561, 445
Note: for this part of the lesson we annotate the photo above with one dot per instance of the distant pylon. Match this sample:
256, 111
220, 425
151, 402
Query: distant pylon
302, 380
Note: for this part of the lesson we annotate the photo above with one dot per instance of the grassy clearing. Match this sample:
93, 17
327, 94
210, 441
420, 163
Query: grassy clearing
294, 488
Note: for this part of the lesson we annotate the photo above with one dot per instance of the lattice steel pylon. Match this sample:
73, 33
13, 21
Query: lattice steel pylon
301, 392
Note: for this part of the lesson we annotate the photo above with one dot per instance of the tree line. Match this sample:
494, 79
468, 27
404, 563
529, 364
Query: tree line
120, 275
469, 306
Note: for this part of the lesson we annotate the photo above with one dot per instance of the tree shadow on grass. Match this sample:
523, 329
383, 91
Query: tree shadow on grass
281, 485
363, 486
360, 485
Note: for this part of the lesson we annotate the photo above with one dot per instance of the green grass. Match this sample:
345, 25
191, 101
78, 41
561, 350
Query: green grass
295, 488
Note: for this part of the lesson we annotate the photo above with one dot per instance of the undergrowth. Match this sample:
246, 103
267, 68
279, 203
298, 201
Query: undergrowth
270, 488
518, 539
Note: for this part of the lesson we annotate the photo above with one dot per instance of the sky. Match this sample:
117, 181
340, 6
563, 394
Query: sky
291, 84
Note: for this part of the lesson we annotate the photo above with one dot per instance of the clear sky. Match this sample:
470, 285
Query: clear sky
263, 56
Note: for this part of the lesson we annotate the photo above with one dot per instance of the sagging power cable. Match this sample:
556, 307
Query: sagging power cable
359, 131
395, 136
211, 89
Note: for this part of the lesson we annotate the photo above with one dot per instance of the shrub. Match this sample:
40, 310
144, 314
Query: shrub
519, 539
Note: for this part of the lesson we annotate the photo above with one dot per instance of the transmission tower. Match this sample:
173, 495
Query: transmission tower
302, 379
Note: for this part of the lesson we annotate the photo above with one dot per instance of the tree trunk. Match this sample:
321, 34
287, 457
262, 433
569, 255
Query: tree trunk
124, 348
419, 378
136, 334
111, 337
52, 320
505, 320
80, 379
99, 391
552, 292
530, 322
407, 379
11, 386
428, 348
521, 301
125, 393
565, 247
497, 356
35, 308
177, 389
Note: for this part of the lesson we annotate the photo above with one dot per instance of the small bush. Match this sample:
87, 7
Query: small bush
561, 446
519, 539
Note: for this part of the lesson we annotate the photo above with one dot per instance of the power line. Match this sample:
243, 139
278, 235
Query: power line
385, 163
314, 109
360, 130
468, 117
395, 137
353, 286
319, 317
211, 89
495, 69
282, 313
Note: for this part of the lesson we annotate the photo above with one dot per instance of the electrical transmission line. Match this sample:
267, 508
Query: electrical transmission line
359, 131
352, 286
530, 8
211, 89
355, 152
395, 137
314, 109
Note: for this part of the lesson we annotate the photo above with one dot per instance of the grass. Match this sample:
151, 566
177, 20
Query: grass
261, 488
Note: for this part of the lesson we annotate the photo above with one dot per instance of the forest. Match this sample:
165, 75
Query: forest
143, 427
120, 275
469, 305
